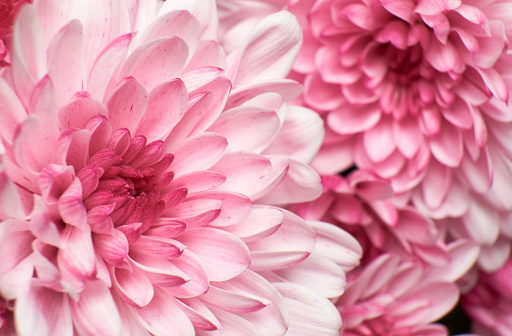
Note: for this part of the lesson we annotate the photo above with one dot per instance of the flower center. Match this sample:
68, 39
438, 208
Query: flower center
129, 176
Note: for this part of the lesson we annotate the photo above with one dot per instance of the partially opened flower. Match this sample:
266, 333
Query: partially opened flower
138, 185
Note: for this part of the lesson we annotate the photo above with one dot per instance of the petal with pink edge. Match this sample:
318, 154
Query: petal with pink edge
233, 301
133, 286
378, 142
261, 222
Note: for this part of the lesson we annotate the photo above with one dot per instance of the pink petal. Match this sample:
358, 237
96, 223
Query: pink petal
491, 48
159, 271
310, 313
157, 61
286, 88
113, 247
167, 104
433, 7
102, 71
300, 136
198, 181
66, 62
478, 174
208, 53
436, 184
495, 83
127, 105
459, 114
33, 316
482, 223
463, 255
71, 207
12, 111
407, 136
54, 180
261, 223
96, 304
76, 255
290, 244
224, 254
336, 245
246, 173
204, 11
353, 119
331, 69
198, 153
196, 270
378, 141
201, 317
235, 207
29, 52
446, 146
179, 23
436, 299
134, 287
321, 95
234, 302
155, 316
301, 183
270, 49
78, 112
404, 9
247, 128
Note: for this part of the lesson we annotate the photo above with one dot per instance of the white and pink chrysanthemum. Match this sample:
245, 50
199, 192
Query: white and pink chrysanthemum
139, 176
417, 91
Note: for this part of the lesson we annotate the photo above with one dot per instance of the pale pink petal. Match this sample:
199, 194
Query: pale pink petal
127, 105
155, 317
225, 255
247, 128
354, 119
378, 141
261, 222
204, 11
290, 244
198, 153
447, 145
482, 223
157, 61
167, 104
270, 49
66, 62
310, 313
133, 286
71, 207
11, 111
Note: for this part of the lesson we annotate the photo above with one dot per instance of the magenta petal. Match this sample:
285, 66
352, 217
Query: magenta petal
96, 304
224, 254
155, 316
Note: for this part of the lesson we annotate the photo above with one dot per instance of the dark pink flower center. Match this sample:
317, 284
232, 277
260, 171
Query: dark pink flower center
129, 175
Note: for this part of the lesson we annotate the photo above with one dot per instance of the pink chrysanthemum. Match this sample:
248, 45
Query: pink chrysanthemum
140, 174
489, 303
417, 91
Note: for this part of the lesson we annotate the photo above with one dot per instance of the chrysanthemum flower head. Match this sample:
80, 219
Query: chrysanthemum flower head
140, 175
418, 92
